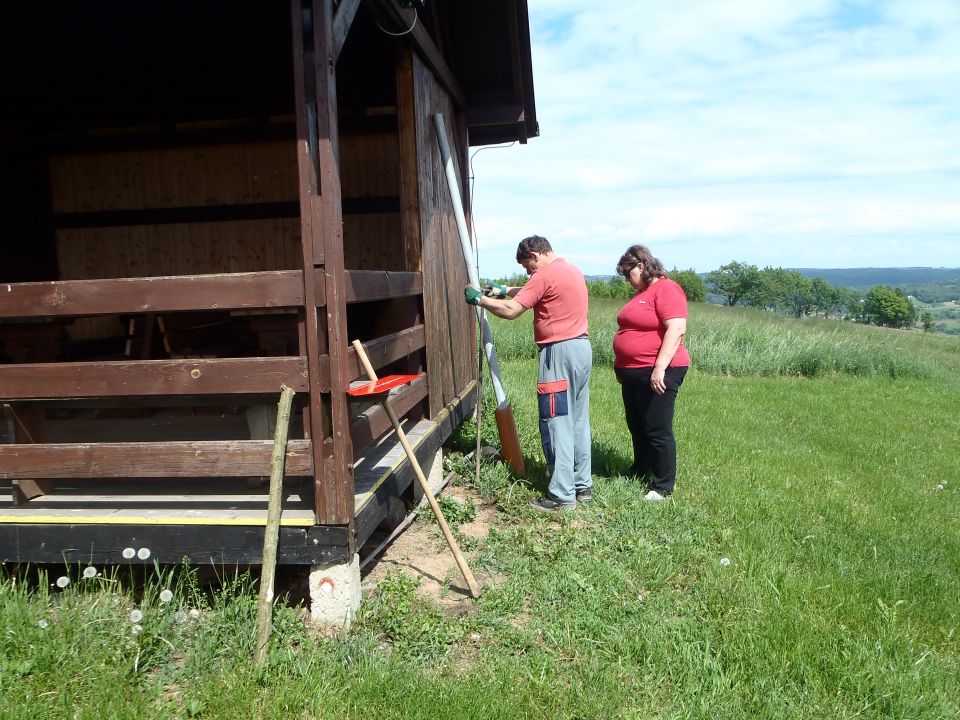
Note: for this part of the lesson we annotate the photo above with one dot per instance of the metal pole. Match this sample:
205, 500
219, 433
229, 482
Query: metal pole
465, 245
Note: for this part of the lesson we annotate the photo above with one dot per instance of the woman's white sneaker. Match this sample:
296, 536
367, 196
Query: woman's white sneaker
654, 496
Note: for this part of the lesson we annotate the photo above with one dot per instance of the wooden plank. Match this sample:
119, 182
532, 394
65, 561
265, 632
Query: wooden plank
495, 115
409, 180
342, 22
387, 349
438, 64
169, 544
366, 285
228, 291
211, 458
176, 215
145, 378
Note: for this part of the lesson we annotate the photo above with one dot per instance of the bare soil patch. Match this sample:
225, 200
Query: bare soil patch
421, 552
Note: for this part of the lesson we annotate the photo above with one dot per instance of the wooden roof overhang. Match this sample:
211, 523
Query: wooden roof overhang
127, 65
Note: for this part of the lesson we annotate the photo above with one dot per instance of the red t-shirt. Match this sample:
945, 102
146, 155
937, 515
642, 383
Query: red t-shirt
642, 327
557, 293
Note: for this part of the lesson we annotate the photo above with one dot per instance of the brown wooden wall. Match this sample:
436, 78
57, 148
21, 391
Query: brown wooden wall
450, 322
370, 174
102, 203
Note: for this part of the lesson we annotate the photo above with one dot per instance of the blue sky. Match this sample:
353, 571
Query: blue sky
809, 133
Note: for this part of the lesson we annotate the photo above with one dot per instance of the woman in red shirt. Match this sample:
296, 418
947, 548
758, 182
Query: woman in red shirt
651, 361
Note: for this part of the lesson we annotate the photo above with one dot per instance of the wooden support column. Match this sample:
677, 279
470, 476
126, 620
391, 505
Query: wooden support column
322, 240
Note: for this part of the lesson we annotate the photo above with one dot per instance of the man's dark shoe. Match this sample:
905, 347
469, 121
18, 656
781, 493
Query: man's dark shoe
585, 495
545, 504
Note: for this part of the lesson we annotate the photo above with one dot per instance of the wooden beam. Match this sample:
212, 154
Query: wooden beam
146, 378
409, 167
229, 291
200, 459
342, 22
495, 115
390, 12
322, 240
367, 285
435, 60
388, 349
202, 544
175, 215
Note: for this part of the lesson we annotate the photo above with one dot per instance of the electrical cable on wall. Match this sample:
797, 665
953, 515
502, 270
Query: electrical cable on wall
405, 32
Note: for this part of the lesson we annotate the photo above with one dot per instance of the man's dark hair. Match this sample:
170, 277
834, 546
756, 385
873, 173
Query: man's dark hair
532, 244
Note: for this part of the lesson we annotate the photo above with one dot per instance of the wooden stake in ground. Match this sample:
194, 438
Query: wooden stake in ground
424, 485
271, 534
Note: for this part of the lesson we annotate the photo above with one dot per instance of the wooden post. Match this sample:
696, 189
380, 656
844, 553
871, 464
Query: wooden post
424, 485
271, 533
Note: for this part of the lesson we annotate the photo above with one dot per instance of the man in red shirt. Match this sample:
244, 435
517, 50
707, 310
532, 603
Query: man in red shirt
558, 295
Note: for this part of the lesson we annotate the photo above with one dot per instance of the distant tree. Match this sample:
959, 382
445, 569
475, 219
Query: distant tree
782, 290
888, 306
734, 281
691, 283
926, 319
853, 301
824, 297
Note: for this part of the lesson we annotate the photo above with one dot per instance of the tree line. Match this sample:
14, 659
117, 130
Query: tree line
786, 292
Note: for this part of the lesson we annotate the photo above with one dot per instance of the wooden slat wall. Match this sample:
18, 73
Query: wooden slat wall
176, 178
450, 323
370, 168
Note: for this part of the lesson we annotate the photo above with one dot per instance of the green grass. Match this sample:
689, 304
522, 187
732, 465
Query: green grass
841, 598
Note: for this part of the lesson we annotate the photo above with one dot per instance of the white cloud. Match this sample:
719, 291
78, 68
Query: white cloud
812, 133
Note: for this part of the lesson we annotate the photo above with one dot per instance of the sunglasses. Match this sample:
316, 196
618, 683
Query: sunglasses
625, 270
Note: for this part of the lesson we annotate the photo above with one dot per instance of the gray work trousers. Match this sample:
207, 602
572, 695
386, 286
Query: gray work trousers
563, 395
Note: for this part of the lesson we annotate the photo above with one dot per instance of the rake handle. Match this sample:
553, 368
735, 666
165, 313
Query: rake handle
424, 485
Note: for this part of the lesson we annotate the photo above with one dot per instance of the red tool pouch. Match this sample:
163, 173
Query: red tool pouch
552, 398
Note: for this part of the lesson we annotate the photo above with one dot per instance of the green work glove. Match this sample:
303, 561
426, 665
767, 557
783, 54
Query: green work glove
472, 295
495, 291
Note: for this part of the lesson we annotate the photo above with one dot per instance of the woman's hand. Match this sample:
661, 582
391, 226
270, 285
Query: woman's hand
657, 382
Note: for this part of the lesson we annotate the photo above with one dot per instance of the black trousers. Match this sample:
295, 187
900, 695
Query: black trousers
650, 419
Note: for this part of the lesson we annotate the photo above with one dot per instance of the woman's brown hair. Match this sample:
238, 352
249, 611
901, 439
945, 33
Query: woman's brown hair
636, 254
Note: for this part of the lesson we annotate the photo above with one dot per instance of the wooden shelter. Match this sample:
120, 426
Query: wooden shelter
208, 201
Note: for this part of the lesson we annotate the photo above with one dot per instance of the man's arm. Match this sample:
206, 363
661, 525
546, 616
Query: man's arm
507, 308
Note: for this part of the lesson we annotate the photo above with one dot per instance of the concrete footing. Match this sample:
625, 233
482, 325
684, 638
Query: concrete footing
335, 594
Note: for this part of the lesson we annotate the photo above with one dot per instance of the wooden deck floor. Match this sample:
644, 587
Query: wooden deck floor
201, 501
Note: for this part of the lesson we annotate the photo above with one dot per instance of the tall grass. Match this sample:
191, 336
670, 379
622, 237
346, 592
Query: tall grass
742, 341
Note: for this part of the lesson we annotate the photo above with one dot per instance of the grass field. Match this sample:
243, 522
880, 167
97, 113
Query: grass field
820, 459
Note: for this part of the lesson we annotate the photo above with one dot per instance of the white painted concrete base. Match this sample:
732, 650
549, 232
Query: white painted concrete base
433, 471
335, 594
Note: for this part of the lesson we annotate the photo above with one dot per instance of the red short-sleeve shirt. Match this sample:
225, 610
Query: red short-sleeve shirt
557, 293
642, 327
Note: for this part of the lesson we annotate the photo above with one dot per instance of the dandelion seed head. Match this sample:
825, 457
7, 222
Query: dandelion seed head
129, 553
725, 561
63, 581
43, 624
90, 572
166, 596
136, 616
180, 616
136, 629
143, 553
194, 613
